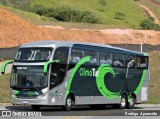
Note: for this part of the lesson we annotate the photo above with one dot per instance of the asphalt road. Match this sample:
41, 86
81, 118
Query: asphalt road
86, 111
82, 117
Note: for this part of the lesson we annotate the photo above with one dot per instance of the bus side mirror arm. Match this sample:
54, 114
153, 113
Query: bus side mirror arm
128, 67
4, 64
46, 64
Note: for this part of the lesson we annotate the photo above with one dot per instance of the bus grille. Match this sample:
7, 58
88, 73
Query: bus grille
26, 97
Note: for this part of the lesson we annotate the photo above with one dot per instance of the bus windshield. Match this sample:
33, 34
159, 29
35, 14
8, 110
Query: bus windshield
33, 54
28, 77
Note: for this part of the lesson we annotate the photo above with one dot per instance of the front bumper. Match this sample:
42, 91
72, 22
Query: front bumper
19, 101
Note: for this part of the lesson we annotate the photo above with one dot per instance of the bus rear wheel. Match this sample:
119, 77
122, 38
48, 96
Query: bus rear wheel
36, 107
69, 103
123, 102
131, 102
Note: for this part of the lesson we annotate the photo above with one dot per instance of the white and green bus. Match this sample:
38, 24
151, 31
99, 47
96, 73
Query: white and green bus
58, 73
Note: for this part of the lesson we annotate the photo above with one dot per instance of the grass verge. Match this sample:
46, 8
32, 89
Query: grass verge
154, 95
5, 89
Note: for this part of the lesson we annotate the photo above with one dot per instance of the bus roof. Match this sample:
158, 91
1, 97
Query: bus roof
61, 43
51, 43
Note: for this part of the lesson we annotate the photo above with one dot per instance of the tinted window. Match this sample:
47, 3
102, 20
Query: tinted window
105, 58
93, 57
118, 60
142, 62
58, 70
76, 55
33, 54
130, 61
28, 77
61, 54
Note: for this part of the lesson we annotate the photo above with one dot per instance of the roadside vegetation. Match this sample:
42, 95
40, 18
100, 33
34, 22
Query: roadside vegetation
154, 95
38, 20
148, 24
109, 13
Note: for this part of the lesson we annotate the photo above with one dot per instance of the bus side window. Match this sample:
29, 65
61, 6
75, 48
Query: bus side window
105, 58
93, 57
142, 62
129, 62
61, 54
76, 56
118, 60
58, 69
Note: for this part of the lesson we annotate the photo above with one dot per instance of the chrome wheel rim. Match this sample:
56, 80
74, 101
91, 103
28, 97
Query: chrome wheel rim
131, 101
69, 102
123, 102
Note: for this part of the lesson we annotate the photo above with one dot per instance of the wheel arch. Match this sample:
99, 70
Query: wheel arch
125, 93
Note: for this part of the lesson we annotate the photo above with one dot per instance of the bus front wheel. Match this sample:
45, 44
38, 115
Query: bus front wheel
123, 102
36, 107
69, 103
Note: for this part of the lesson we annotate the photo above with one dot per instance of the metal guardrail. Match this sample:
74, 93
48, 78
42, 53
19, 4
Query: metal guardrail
137, 47
8, 53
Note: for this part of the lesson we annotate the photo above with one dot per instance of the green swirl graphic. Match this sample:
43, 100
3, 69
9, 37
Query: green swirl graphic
82, 61
103, 70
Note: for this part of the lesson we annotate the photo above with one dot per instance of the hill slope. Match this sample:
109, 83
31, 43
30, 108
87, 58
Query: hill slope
154, 5
130, 13
16, 31
133, 13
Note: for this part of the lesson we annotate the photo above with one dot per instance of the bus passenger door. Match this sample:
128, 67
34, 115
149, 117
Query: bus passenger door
53, 92
59, 73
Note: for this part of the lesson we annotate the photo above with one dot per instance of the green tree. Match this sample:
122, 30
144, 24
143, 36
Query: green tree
148, 24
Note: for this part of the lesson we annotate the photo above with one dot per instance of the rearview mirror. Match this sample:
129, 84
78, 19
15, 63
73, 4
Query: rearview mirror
130, 63
4, 64
46, 65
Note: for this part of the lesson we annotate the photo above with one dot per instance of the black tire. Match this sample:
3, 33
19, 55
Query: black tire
123, 102
69, 104
36, 107
131, 102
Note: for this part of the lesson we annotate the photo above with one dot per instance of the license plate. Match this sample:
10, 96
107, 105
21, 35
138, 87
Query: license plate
25, 102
